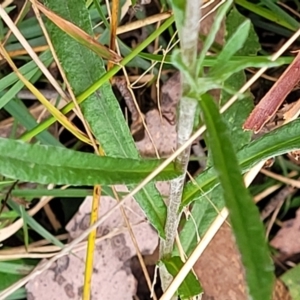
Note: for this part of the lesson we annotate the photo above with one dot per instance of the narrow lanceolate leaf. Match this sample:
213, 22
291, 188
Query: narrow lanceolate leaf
238, 112
274, 143
190, 286
244, 216
79, 35
48, 164
234, 43
212, 33
101, 109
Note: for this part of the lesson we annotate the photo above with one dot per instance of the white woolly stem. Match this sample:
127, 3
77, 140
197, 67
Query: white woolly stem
188, 33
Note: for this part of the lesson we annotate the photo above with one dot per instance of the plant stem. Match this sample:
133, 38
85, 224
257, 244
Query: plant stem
188, 33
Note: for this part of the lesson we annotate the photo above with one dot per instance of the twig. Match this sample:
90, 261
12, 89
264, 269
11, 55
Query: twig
270, 103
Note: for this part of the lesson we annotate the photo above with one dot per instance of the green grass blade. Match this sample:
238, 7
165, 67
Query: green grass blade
210, 61
30, 221
12, 78
20, 113
101, 13
12, 92
267, 14
25, 227
243, 213
20, 293
281, 14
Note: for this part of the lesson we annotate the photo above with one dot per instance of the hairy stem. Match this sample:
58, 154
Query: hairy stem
188, 33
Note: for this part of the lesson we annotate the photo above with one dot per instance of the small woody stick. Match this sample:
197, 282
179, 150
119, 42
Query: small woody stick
271, 102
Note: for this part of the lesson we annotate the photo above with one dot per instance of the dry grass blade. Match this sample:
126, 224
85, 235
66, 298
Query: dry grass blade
18, 19
52, 109
30, 51
135, 243
141, 23
78, 110
22, 51
114, 16
79, 35
292, 182
91, 245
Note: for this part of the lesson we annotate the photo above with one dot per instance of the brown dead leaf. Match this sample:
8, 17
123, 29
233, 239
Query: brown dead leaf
221, 274
219, 268
79, 35
287, 239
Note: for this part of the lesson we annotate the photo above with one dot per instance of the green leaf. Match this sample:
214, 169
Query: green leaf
49, 164
179, 10
190, 286
234, 43
11, 272
291, 280
101, 109
274, 143
202, 215
212, 33
205, 84
236, 115
20, 293
7, 280
243, 213
227, 70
